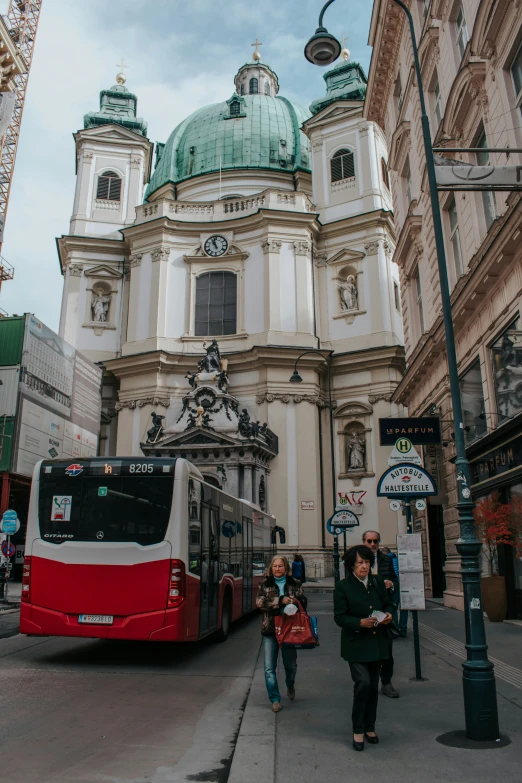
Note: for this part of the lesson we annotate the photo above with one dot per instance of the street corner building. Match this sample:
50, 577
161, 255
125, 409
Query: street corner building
471, 65
198, 272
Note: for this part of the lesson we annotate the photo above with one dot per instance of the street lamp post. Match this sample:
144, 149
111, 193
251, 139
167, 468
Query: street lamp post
480, 699
296, 378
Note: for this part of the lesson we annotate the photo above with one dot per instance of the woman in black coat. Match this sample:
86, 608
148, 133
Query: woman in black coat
364, 641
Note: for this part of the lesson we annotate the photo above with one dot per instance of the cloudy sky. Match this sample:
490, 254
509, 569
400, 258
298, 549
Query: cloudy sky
182, 54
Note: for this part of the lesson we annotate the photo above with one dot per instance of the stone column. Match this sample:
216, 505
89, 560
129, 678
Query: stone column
158, 292
271, 250
134, 263
303, 280
232, 485
247, 483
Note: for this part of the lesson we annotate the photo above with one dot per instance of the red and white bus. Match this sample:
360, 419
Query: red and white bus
130, 548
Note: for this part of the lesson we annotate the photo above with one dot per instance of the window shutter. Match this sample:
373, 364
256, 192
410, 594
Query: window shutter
342, 165
109, 186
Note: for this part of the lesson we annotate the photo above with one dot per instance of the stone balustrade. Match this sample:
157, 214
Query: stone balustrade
226, 209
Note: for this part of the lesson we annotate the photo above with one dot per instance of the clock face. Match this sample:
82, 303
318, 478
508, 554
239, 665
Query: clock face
215, 245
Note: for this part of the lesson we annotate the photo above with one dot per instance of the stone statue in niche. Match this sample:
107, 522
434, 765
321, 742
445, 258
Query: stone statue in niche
156, 430
356, 451
349, 294
100, 306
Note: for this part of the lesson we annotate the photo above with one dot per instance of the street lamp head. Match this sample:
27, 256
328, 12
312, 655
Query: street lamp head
322, 48
296, 378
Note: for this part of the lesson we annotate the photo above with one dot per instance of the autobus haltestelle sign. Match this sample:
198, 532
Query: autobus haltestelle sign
406, 479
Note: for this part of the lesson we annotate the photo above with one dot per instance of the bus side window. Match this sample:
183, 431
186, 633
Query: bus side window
194, 520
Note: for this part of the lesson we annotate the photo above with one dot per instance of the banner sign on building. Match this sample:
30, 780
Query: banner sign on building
494, 463
59, 400
469, 177
405, 480
419, 431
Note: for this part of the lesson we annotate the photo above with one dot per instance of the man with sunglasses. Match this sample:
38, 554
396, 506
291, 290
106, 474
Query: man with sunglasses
383, 566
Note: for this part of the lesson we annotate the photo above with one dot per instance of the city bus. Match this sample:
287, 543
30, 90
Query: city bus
135, 548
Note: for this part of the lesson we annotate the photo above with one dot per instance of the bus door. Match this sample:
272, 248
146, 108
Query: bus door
209, 583
247, 564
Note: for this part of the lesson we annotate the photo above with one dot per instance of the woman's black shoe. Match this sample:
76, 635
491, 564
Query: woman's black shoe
372, 740
358, 745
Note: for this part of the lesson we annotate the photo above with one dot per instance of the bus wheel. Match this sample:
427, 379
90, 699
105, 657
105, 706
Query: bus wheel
226, 618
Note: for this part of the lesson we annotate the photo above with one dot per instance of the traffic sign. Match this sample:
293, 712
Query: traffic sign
342, 521
8, 549
406, 481
228, 528
10, 523
395, 505
404, 451
420, 504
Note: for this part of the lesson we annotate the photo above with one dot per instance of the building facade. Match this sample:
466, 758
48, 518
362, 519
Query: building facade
471, 62
268, 229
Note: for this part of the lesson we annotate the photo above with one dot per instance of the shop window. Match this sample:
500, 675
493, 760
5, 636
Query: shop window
473, 408
507, 371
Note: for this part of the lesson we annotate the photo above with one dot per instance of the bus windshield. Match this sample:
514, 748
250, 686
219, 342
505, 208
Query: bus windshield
125, 506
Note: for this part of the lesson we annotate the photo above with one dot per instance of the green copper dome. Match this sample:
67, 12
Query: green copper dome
258, 131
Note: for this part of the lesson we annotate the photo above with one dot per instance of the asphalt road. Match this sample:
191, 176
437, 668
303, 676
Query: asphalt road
111, 712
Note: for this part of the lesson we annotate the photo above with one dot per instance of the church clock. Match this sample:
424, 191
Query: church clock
215, 246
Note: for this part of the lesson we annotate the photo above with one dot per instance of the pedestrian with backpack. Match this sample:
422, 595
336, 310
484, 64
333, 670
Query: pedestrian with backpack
278, 590
298, 569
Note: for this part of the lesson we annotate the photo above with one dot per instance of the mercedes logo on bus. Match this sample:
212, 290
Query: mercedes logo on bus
99, 534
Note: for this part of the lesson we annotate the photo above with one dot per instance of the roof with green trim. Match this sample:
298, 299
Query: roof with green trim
245, 132
346, 82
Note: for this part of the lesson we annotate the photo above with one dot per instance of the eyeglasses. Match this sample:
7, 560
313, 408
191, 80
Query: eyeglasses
372, 540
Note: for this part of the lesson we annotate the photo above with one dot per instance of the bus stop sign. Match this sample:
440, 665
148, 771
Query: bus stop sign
342, 521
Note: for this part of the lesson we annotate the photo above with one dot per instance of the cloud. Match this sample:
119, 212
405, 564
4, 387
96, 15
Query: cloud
182, 55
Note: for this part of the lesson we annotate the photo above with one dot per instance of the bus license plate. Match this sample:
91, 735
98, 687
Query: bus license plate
96, 619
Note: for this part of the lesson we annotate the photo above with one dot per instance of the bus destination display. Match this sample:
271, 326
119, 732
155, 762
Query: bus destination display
115, 467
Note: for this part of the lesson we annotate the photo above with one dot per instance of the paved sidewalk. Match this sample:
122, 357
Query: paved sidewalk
309, 741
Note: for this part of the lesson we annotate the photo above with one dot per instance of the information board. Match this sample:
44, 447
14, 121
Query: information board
411, 571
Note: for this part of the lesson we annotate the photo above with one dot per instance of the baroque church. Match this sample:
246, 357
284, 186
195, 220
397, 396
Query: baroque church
198, 271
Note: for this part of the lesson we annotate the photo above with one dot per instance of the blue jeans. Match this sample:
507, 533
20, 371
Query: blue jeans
289, 655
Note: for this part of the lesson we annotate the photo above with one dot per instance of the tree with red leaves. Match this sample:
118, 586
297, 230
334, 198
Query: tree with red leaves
498, 523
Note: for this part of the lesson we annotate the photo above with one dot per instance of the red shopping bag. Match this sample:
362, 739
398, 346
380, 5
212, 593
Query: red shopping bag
295, 630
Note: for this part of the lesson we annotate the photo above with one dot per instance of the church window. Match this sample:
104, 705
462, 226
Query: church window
267, 88
342, 165
216, 304
235, 109
109, 186
253, 86
242, 89
385, 173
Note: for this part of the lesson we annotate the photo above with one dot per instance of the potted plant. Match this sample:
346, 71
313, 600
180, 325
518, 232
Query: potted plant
497, 523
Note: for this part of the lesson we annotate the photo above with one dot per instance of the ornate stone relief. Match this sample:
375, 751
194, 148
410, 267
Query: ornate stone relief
75, 270
87, 155
135, 162
160, 254
373, 398
295, 398
135, 260
150, 209
317, 145
321, 259
272, 246
371, 248
302, 248
286, 198
165, 402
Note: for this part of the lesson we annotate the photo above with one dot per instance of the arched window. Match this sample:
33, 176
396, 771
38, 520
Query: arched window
235, 109
109, 186
216, 304
242, 89
253, 86
267, 88
342, 165
385, 173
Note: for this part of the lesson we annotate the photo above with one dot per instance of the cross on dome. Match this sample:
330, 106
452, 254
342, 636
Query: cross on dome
257, 54
120, 77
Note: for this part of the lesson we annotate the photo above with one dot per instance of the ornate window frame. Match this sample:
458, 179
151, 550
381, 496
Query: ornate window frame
199, 263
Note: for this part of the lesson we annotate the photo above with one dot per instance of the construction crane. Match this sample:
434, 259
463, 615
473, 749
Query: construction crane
17, 36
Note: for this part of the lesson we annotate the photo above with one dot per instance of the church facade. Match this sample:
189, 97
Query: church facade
261, 232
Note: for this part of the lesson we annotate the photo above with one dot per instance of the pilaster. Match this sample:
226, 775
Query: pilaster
158, 289
272, 248
135, 273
